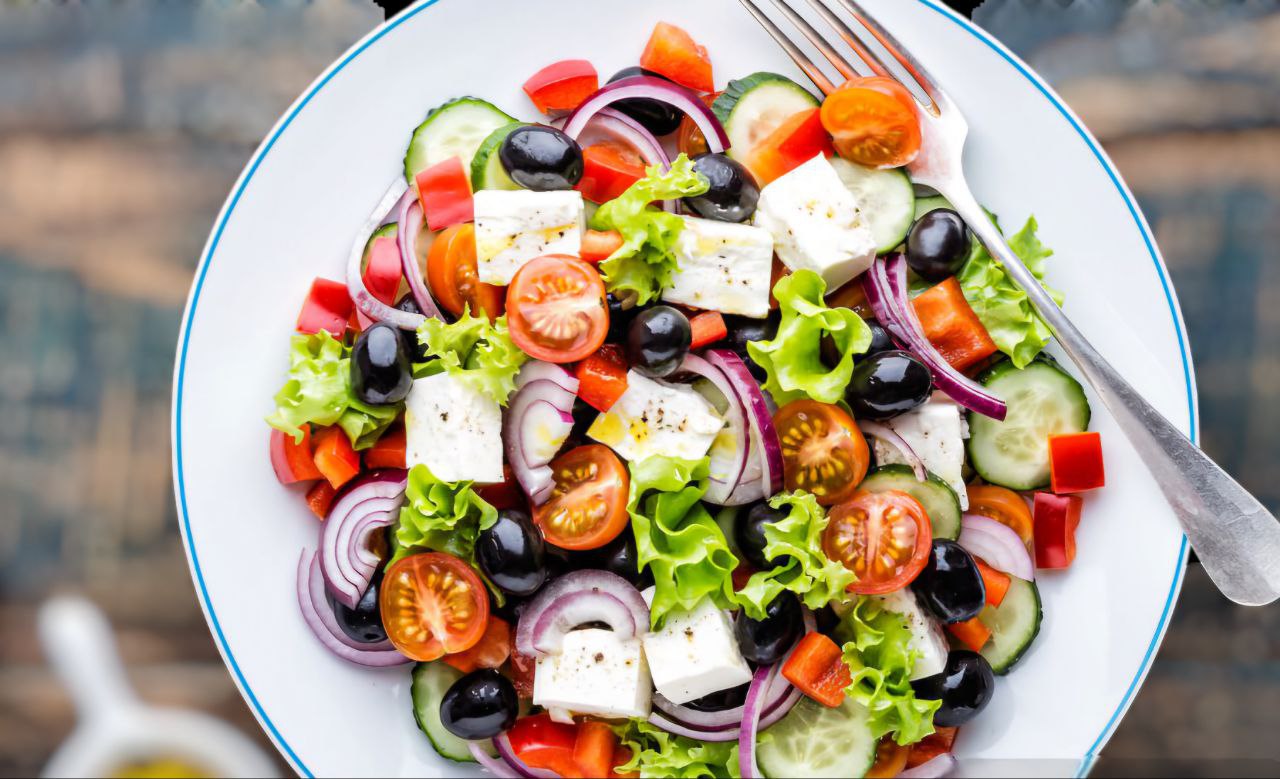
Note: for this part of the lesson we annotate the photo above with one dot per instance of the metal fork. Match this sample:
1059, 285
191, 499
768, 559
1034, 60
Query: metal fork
1236, 538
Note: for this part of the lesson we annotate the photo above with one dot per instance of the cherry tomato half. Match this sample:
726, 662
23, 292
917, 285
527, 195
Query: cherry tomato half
452, 275
823, 450
556, 309
874, 122
1004, 506
588, 507
433, 604
883, 537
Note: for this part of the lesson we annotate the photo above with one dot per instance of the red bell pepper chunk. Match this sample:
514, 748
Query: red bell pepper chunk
951, 325
292, 461
320, 499
817, 668
335, 458
388, 452
608, 170
995, 582
1056, 520
1075, 462
492, 650
598, 245
327, 307
541, 743
383, 273
563, 85
794, 142
602, 377
506, 494
708, 327
673, 53
593, 750
621, 756
445, 194
973, 633
939, 743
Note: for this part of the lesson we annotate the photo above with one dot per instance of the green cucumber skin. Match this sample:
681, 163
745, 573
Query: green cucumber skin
901, 477
738, 87
443, 742
411, 169
1002, 664
487, 152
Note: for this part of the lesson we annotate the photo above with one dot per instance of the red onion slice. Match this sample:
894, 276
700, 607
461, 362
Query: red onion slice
939, 767
656, 89
891, 437
886, 287
408, 229
726, 466
537, 422
576, 609
308, 577
688, 731
578, 581
369, 504
493, 765
537, 370
508, 755
360, 295
324, 611
609, 124
998, 545
762, 429
751, 723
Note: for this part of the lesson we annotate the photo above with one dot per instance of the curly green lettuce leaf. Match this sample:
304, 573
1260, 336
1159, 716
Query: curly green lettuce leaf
478, 352
807, 571
793, 359
676, 537
318, 392
440, 516
657, 753
645, 262
880, 662
1002, 307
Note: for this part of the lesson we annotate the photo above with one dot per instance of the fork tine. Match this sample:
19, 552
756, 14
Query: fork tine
897, 51
797, 56
868, 58
821, 43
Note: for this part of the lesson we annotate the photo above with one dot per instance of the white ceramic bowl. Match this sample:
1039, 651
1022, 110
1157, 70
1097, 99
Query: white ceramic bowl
292, 216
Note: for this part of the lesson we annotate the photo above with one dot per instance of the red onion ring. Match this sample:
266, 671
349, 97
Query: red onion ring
369, 504
493, 765
657, 89
886, 287
751, 723
360, 295
998, 545
408, 228
578, 581
537, 370
719, 490
508, 755
533, 471
308, 577
938, 767
770, 448
579, 608
320, 595
891, 437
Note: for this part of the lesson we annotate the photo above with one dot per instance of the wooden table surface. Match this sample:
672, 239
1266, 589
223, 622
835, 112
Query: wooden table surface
123, 126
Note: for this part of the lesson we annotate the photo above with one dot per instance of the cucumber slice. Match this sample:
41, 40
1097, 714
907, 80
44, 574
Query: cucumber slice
926, 204
430, 682
886, 200
750, 108
455, 129
486, 169
1014, 626
1043, 400
816, 741
937, 497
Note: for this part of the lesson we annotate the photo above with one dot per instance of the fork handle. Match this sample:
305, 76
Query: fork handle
1236, 538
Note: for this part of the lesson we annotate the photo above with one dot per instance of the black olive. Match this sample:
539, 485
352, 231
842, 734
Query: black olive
658, 341
364, 622
748, 531
733, 193
480, 705
620, 316
512, 553
743, 330
657, 117
765, 641
827, 620
620, 556
938, 244
584, 416
413, 348
887, 384
722, 700
964, 687
541, 158
950, 584
880, 342
510, 610
380, 370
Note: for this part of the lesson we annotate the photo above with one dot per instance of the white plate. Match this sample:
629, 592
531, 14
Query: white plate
292, 217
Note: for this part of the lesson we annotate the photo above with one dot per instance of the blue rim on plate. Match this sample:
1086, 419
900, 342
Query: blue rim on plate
224, 647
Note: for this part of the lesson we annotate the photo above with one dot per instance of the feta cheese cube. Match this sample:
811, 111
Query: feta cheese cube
935, 432
517, 226
454, 430
815, 223
597, 674
723, 267
927, 639
695, 653
654, 417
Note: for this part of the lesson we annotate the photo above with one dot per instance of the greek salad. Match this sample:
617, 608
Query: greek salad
670, 430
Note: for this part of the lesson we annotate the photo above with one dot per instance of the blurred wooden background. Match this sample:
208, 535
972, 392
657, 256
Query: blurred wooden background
123, 126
